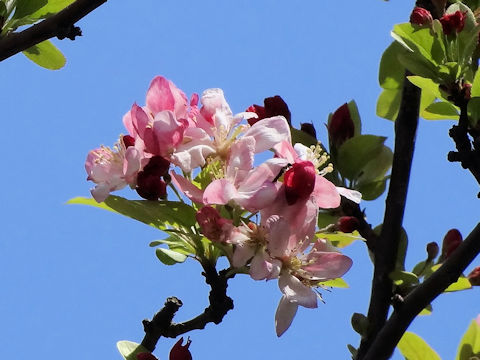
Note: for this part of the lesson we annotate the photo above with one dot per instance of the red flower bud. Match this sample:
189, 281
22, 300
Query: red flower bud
157, 166
128, 140
181, 352
274, 106
474, 276
453, 22
146, 356
212, 224
299, 181
347, 224
432, 250
151, 187
341, 126
421, 16
309, 129
467, 91
451, 241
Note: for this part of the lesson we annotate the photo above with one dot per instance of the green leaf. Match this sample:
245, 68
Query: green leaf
419, 66
388, 103
159, 214
170, 257
25, 8
359, 323
340, 239
427, 85
129, 349
473, 111
403, 278
39, 9
356, 152
413, 347
440, 110
377, 167
470, 344
372, 190
176, 243
326, 218
355, 115
392, 72
475, 91
427, 311
461, 284
336, 283
46, 55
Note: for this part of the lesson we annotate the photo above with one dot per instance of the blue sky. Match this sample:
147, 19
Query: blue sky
75, 280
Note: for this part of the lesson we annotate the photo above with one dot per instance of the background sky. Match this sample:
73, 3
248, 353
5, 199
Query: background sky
75, 280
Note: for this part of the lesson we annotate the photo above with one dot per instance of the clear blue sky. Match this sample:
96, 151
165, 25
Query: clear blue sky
74, 280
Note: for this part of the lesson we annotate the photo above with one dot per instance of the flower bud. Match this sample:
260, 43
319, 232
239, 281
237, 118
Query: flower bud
453, 22
341, 126
347, 224
181, 352
451, 241
467, 91
432, 250
474, 276
214, 227
309, 129
299, 181
128, 140
146, 356
157, 166
421, 16
150, 186
274, 106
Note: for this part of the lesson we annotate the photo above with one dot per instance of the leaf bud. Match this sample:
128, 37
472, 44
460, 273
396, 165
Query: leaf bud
347, 224
181, 352
432, 250
474, 276
420, 16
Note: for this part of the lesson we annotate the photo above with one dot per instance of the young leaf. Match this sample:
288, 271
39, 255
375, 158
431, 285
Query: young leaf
170, 257
413, 347
25, 8
129, 349
440, 110
403, 278
340, 239
461, 284
46, 55
391, 73
470, 344
336, 283
159, 214
372, 190
388, 103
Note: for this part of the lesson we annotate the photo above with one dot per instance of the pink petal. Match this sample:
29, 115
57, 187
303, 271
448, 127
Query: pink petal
242, 254
278, 235
219, 192
269, 132
190, 190
213, 100
164, 95
327, 265
284, 315
353, 195
296, 292
326, 194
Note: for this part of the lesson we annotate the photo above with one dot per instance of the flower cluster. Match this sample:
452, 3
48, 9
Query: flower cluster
209, 155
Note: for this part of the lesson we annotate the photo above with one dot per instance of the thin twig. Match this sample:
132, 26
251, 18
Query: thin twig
386, 340
59, 25
386, 247
220, 304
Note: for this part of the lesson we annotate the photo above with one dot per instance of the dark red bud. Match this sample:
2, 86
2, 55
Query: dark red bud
211, 223
157, 166
259, 110
467, 91
309, 129
276, 106
474, 276
432, 250
347, 224
341, 126
181, 352
151, 187
299, 181
128, 140
421, 16
451, 241
146, 356
453, 22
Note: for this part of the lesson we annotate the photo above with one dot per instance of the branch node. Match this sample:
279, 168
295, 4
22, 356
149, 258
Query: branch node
69, 32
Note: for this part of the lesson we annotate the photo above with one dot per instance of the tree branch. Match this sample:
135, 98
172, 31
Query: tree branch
220, 304
386, 340
386, 247
60, 25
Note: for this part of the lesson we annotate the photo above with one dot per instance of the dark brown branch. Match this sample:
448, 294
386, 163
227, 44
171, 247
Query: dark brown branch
220, 304
385, 251
59, 25
386, 340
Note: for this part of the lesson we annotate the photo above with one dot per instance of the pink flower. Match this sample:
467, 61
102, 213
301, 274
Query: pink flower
299, 181
112, 169
421, 16
453, 22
